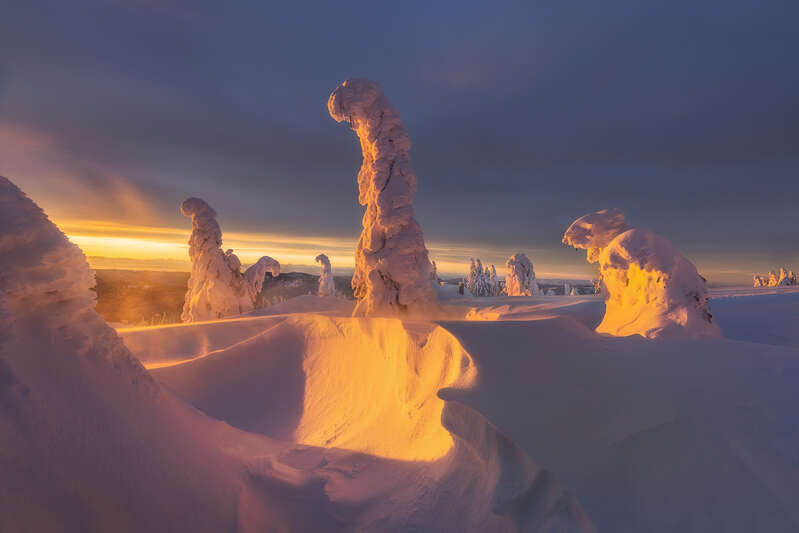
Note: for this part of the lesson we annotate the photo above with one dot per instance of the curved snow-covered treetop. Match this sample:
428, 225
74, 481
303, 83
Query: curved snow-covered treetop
652, 290
392, 268
326, 285
217, 288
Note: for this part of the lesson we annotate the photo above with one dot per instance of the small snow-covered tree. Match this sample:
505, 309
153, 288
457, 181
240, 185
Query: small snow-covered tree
652, 290
326, 286
784, 278
479, 280
567, 289
434, 272
520, 276
217, 288
493, 283
392, 268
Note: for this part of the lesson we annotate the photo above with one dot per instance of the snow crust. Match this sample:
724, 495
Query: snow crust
392, 268
326, 285
652, 290
520, 276
217, 288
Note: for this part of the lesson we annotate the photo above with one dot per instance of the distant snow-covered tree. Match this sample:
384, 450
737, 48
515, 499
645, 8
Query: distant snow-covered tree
392, 268
217, 288
326, 285
783, 278
520, 276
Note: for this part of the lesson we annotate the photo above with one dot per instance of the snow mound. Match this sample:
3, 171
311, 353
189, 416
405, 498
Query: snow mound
520, 276
217, 288
652, 290
392, 269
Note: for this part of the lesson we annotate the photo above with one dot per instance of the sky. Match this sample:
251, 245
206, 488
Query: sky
523, 116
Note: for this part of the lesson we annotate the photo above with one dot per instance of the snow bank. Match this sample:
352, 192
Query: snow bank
520, 276
652, 290
326, 286
785, 278
217, 288
392, 269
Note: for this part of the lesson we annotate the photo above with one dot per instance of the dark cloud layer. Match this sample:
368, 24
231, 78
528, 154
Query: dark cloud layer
524, 115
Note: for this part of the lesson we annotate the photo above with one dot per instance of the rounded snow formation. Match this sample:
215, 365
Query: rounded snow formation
652, 290
520, 276
217, 288
326, 284
392, 268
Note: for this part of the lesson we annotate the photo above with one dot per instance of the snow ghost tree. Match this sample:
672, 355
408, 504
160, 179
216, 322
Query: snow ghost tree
392, 268
520, 276
785, 278
478, 282
493, 284
652, 290
326, 286
434, 272
217, 288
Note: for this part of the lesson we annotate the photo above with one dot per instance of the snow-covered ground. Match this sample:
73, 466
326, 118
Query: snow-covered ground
496, 414
455, 414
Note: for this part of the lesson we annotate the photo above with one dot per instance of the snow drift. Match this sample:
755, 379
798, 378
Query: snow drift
392, 268
217, 288
326, 286
520, 276
652, 290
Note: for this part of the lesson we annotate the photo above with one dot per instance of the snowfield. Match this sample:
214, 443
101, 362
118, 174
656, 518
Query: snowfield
501, 414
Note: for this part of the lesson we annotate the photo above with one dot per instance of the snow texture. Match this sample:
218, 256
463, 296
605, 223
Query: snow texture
392, 268
326, 286
784, 278
217, 288
520, 276
652, 290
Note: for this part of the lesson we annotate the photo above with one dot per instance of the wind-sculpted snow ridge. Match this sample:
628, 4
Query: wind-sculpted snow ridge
326, 286
520, 276
784, 278
324, 387
217, 288
652, 290
392, 268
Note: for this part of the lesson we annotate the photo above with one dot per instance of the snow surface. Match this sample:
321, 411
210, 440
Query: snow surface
326, 285
652, 290
217, 288
392, 268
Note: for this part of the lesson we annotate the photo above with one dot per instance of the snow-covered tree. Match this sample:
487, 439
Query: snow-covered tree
567, 289
434, 272
652, 290
493, 284
597, 285
326, 286
479, 279
783, 278
520, 276
392, 268
217, 288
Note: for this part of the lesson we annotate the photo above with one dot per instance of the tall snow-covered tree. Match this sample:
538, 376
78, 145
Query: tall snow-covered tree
392, 268
326, 286
217, 288
652, 290
493, 284
520, 276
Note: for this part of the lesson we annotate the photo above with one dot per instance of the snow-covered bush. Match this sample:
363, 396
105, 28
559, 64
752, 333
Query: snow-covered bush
652, 290
217, 288
784, 278
520, 276
392, 268
326, 286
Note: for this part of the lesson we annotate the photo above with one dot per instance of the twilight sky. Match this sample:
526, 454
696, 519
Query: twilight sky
524, 116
